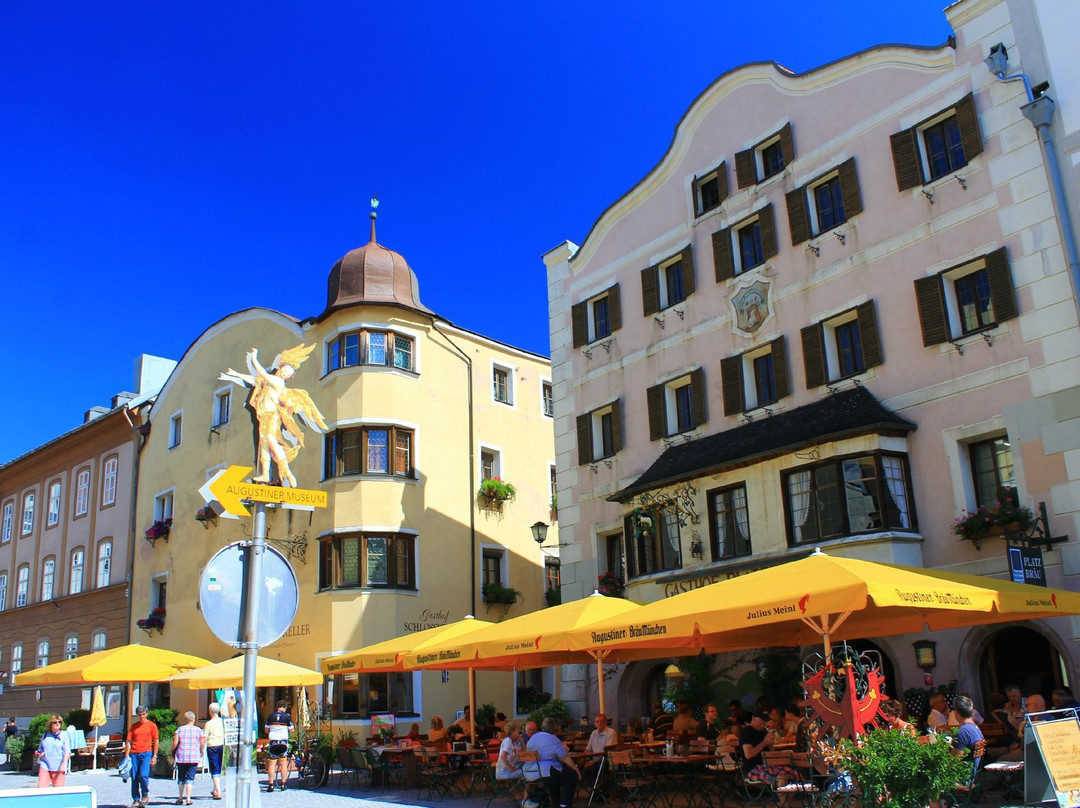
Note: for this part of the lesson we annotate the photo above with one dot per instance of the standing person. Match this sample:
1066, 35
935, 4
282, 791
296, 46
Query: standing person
188, 742
556, 767
10, 728
278, 726
214, 729
142, 748
52, 754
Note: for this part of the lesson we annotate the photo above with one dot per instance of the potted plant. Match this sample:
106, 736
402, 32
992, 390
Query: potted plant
497, 593
553, 595
1005, 514
205, 515
14, 748
159, 530
494, 492
346, 739
155, 620
610, 584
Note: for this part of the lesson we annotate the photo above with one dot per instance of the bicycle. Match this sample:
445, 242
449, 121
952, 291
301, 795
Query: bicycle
311, 769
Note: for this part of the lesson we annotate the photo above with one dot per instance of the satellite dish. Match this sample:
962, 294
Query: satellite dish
221, 590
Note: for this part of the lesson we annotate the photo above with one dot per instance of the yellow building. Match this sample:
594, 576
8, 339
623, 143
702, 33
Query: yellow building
418, 413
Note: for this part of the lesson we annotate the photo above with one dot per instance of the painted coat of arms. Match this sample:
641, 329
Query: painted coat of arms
751, 306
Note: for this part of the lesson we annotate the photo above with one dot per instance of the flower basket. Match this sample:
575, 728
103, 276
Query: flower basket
497, 593
494, 492
206, 515
995, 519
159, 530
611, 585
156, 620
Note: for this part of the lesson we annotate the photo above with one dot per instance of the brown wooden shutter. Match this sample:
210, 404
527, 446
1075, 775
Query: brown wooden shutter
767, 224
778, 347
813, 356
614, 308
849, 188
584, 439
930, 297
787, 144
687, 269
798, 216
731, 380
616, 426
657, 417
721, 180
650, 292
968, 122
1001, 287
723, 264
579, 324
745, 170
697, 396
868, 333
905, 156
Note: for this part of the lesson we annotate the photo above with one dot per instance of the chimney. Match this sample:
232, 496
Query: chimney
94, 413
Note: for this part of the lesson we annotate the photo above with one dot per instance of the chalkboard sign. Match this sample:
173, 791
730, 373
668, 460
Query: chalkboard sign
1052, 761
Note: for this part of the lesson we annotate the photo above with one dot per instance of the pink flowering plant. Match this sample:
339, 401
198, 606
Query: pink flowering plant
610, 584
159, 530
156, 619
1006, 511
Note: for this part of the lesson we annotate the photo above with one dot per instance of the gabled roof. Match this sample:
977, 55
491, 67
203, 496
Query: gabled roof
840, 415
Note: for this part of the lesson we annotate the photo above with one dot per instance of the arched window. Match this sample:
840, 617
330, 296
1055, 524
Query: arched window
76, 580
3, 591
9, 517
28, 514
71, 647
54, 503
97, 641
104, 564
42, 653
16, 660
48, 577
82, 492
108, 482
22, 585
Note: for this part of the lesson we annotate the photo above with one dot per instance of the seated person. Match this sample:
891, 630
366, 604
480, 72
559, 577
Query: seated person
1063, 699
754, 739
969, 733
711, 729
737, 717
955, 719
556, 767
661, 722
937, 719
1034, 703
489, 731
437, 732
894, 716
684, 720
507, 767
600, 738
463, 725
500, 722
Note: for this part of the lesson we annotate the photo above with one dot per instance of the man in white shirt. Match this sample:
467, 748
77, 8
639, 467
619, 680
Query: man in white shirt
938, 720
601, 737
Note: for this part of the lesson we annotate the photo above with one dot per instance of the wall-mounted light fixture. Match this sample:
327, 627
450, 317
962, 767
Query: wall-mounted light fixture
925, 654
539, 531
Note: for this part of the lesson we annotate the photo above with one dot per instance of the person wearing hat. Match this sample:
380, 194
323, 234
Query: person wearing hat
755, 738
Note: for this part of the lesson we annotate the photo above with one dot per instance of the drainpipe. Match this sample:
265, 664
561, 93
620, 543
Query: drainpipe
1040, 112
472, 466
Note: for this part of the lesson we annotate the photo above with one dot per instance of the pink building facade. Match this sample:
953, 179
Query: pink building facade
836, 314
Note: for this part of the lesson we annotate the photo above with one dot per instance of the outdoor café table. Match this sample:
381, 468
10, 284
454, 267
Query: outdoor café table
473, 766
1010, 774
403, 755
595, 773
677, 775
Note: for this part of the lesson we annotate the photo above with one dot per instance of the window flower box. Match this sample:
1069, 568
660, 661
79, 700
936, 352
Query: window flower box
494, 492
497, 593
611, 585
206, 515
155, 620
996, 519
159, 530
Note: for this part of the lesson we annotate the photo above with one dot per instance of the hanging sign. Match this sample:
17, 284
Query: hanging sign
1026, 565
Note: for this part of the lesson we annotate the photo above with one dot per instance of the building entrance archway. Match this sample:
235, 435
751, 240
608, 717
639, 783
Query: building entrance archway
1022, 656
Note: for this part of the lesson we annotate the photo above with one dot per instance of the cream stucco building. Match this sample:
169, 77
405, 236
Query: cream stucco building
418, 413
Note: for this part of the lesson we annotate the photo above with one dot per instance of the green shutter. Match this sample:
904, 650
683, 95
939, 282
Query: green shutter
767, 223
798, 216
584, 439
778, 347
578, 323
745, 170
849, 188
687, 261
614, 308
906, 162
869, 335
650, 292
616, 426
697, 396
1001, 287
657, 418
787, 144
723, 264
968, 122
813, 355
731, 380
930, 297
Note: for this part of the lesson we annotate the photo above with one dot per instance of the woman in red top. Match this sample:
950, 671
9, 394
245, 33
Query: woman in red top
142, 748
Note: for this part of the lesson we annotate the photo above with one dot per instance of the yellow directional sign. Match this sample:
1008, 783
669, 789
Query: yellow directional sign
229, 489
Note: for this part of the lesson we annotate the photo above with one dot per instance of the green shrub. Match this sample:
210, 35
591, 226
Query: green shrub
78, 718
15, 746
38, 725
326, 748
164, 717
895, 770
531, 698
555, 708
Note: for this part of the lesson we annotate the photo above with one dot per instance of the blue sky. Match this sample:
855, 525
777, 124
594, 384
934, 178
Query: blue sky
165, 164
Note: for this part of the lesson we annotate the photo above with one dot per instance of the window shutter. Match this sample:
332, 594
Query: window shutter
1001, 287
721, 180
650, 293
584, 439
780, 372
616, 425
968, 122
745, 170
787, 144
767, 224
905, 156
798, 215
731, 379
868, 333
849, 188
723, 264
578, 324
930, 297
687, 269
614, 308
813, 355
697, 396
657, 419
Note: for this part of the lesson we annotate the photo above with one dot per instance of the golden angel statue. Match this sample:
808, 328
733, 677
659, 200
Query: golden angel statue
277, 409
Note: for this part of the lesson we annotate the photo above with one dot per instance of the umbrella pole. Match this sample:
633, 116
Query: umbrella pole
472, 704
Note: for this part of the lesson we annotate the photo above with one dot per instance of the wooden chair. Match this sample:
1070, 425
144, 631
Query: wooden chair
801, 785
535, 784
635, 786
968, 793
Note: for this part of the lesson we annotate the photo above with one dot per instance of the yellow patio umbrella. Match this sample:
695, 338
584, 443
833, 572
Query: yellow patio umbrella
97, 719
230, 673
127, 663
824, 597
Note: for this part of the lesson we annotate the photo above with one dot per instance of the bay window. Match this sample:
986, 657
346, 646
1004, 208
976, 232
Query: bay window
378, 560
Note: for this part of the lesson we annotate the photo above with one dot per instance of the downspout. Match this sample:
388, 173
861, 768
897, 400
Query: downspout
1040, 112
472, 466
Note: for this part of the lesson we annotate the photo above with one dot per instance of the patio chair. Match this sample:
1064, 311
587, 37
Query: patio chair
801, 786
755, 790
378, 770
968, 793
346, 767
363, 767
535, 785
635, 787
513, 789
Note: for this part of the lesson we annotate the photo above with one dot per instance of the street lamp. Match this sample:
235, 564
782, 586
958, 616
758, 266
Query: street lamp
539, 531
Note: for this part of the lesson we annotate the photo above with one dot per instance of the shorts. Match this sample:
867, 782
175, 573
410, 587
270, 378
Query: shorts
277, 749
185, 772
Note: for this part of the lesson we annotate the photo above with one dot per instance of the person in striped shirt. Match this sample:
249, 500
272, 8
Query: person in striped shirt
188, 743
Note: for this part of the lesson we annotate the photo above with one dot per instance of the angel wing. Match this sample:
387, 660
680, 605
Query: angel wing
298, 404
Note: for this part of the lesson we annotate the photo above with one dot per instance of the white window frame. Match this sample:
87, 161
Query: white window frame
759, 159
952, 305
163, 504
498, 464
221, 394
832, 353
736, 248
22, 585
504, 562
41, 658
924, 153
598, 432
750, 394
29, 508
82, 491
71, 646
9, 520
16, 660
671, 414
176, 429
511, 392
591, 334
811, 203
77, 572
3, 590
56, 489
547, 384
662, 282
155, 580
98, 640
48, 578
103, 570
695, 188
110, 470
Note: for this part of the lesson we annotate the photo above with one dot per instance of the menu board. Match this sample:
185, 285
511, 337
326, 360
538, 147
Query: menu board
1059, 744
